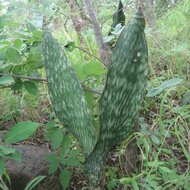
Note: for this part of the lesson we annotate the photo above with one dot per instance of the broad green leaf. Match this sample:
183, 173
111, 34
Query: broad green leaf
21, 131
6, 80
17, 86
13, 55
79, 71
31, 87
72, 161
51, 124
53, 162
74, 152
17, 69
64, 178
155, 139
93, 68
36, 37
65, 147
33, 183
33, 62
57, 138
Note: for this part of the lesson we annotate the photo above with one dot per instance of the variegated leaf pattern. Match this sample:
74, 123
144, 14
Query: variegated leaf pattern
123, 93
66, 93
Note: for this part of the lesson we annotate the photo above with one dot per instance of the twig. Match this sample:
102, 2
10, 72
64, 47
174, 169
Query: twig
104, 51
24, 77
89, 53
91, 90
42, 80
68, 17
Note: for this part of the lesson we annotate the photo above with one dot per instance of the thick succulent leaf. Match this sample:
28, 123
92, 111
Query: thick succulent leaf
118, 17
123, 93
66, 93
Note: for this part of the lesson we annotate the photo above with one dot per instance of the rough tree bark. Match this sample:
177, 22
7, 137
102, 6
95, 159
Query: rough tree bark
104, 51
149, 13
76, 19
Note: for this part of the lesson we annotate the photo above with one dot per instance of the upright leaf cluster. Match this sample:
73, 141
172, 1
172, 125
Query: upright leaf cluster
120, 101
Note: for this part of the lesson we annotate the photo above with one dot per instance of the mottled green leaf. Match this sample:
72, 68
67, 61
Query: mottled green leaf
123, 93
66, 93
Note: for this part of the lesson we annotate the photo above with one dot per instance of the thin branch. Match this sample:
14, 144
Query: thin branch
24, 77
81, 49
42, 80
104, 51
70, 18
91, 90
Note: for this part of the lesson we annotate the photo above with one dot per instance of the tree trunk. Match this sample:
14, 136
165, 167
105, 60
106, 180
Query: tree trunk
76, 19
149, 13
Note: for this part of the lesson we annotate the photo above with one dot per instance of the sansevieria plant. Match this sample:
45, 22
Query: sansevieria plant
120, 101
